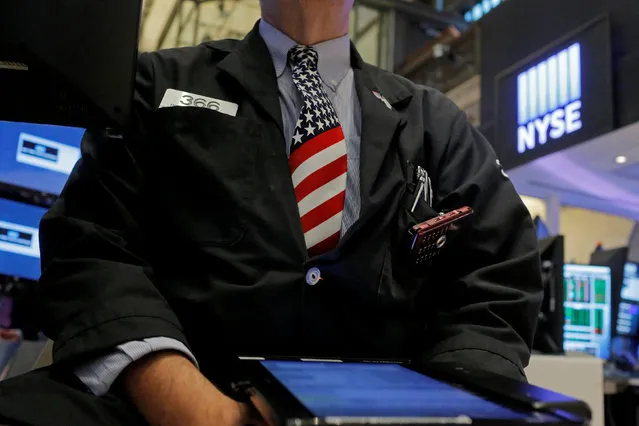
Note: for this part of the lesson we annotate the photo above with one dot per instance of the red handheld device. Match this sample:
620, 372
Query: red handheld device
428, 237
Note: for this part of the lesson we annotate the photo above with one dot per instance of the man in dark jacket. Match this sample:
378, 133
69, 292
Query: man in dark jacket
261, 207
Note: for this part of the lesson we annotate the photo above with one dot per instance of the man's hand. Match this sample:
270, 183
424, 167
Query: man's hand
170, 391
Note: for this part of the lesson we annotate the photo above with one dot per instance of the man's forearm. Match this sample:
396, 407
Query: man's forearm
100, 374
169, 390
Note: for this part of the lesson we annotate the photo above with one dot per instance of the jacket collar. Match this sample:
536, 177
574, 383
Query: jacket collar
250, 63
395, 89
334, 55
382, 97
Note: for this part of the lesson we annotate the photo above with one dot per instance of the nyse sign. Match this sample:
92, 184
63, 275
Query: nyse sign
549, 99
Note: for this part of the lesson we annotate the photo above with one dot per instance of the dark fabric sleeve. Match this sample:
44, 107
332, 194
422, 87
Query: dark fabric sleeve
97, 290
486, 286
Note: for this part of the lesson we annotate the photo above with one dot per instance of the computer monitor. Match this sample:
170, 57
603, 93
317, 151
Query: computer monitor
550, 324
19, 245
633, 244
587, 305
615, 259
628, 317
17, 310
542, 229
37, 156
68, 62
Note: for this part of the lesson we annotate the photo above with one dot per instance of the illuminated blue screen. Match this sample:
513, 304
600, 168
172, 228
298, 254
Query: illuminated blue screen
628, 315
630, 285
481, 9
38, 156
549, 99
542, 229
628, 319
587, 307
383, 390
19, 245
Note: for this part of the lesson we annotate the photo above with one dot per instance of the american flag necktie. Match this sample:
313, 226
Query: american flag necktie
318, 157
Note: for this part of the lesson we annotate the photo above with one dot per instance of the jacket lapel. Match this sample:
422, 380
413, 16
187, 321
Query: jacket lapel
251, 66
379, 96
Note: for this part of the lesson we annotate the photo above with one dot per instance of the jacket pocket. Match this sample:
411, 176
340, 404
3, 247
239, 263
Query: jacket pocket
412, 213
401, 280
205, 172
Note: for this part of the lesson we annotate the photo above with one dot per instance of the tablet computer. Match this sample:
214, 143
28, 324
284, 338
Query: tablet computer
303, 393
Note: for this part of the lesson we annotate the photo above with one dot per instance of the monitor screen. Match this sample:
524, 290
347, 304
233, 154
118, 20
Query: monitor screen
628, 316
542, 229
19, 245
628, 319
37, 156
633, 244
329, 389
587, 306
6, 310
630, 285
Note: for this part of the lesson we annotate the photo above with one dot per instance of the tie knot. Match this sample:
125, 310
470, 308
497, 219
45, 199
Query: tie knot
303, 57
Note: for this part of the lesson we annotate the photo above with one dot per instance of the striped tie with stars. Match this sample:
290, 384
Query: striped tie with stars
318, 157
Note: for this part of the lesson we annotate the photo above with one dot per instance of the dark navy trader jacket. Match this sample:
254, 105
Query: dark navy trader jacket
188, 228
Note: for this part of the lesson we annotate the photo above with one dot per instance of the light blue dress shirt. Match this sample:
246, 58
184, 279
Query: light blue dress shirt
338, 78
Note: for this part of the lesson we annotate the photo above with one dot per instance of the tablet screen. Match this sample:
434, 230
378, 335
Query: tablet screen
329, 389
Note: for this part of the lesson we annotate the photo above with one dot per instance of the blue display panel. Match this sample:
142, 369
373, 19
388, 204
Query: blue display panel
587, 309
628, 319
330, 389
628, 316
630, 285
19, 245
481, 9
541, 228
38, 156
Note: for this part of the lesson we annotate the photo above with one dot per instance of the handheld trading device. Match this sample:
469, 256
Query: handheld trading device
427, 238
384, 393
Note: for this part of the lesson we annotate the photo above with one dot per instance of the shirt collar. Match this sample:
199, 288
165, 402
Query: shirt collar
334, 55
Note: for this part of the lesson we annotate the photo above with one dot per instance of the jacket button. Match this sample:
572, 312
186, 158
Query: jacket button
313, 276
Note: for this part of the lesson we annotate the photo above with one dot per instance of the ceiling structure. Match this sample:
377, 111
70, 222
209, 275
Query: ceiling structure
601, 174
171, 23
174, 23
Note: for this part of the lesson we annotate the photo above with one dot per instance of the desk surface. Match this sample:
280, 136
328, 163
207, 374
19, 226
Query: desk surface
616, 381
613, 386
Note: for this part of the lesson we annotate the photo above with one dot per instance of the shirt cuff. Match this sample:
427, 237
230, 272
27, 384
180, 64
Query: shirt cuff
100, 374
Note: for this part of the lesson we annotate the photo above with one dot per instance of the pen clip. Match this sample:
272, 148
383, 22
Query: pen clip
422, 178
428, 193
417, 196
